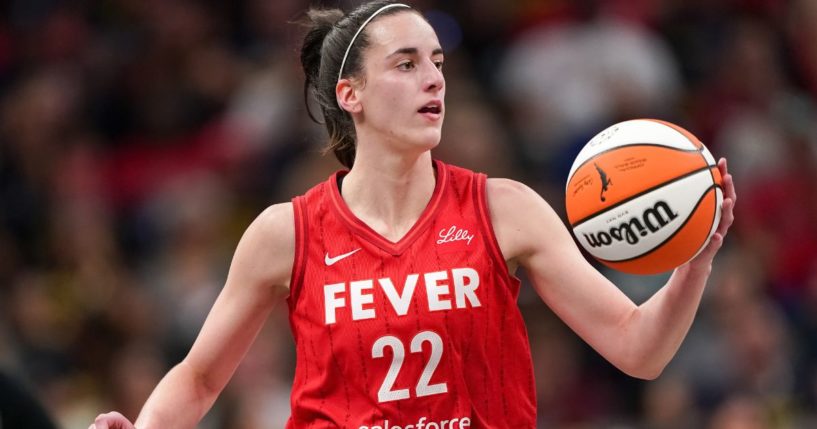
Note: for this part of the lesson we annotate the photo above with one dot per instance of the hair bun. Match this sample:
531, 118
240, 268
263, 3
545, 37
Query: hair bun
319, 22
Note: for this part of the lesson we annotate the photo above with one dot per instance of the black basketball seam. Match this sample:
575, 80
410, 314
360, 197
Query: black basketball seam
636, 145
646, 191
658, 246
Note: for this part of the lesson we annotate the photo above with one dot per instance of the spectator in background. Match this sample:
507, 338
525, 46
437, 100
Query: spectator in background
19, 408
564, 81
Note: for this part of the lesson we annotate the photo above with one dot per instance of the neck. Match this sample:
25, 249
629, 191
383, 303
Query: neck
389, 192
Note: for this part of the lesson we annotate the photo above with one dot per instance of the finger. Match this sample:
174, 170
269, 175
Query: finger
101, 422
729, 186
727, 216
723, 166
715, 243
728, 183
729, 198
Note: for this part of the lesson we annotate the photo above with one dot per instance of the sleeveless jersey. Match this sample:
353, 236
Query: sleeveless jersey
424, 333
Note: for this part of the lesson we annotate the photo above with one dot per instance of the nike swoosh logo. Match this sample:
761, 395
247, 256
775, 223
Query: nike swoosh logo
331, 261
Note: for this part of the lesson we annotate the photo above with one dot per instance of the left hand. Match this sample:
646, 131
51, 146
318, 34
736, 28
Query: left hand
704, 259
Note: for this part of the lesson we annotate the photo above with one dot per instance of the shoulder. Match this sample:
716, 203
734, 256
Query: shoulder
508, 189
522, 220
267, 248
274, 227
509, 199
276, 219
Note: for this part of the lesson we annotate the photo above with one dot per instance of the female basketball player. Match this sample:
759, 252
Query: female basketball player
399, 273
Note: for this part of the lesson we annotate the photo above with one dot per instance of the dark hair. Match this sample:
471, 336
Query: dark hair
330, 31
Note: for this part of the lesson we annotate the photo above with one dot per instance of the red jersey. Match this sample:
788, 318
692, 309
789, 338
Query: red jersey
424, 333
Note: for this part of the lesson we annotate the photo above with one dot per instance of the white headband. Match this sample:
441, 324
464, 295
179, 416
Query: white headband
352, 42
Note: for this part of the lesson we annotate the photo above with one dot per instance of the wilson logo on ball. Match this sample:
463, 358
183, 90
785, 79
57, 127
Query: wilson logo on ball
651, 221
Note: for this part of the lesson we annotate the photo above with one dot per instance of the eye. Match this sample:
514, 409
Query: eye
406, 65
439, 64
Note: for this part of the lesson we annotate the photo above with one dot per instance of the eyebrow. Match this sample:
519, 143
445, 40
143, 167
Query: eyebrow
413, 51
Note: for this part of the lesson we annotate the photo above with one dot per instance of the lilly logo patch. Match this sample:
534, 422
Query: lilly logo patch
454, 233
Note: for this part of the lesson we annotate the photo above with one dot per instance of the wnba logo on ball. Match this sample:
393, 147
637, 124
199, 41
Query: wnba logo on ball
651, 221
605, 182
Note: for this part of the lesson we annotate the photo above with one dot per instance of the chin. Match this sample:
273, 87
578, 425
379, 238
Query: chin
428, 144
429, 139
418, 140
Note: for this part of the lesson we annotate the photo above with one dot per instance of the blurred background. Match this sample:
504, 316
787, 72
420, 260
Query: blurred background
138, 138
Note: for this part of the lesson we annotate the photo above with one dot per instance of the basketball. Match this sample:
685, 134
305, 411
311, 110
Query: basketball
644, 196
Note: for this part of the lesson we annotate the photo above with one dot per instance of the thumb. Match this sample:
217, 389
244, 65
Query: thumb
99, 423
112, 420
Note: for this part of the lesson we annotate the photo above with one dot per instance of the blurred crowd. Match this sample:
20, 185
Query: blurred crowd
138, 138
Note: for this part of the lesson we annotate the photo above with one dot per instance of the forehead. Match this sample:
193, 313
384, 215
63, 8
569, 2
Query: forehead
403, 29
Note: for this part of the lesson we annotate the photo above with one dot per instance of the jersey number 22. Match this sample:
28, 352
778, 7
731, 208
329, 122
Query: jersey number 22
387, 392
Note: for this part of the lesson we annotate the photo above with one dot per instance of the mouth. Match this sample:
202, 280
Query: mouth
433, 110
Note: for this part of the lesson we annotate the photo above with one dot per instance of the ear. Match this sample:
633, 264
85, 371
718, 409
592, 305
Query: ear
347, 96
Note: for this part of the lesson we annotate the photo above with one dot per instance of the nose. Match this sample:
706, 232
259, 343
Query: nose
433, 79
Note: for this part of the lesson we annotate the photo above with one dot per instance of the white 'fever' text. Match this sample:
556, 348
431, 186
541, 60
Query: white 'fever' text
438, 293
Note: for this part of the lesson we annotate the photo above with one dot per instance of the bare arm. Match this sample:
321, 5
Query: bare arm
258, 279
639, 340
